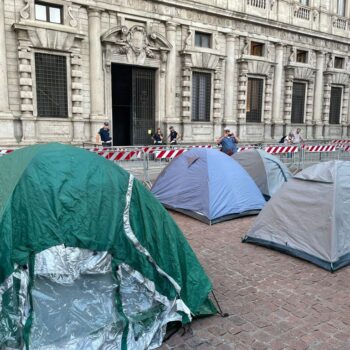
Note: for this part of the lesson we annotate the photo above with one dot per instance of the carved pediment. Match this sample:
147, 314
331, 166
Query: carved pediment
304, 73
48, 38
136, 43
340, 79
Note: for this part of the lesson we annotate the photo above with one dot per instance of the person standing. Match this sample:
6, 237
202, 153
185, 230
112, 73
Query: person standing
297, 138
173, 136
158, 137
104, 136
228, 142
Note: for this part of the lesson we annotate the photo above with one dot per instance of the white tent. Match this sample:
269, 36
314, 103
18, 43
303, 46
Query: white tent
309, 217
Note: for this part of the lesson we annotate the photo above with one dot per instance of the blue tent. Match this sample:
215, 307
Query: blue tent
208, 185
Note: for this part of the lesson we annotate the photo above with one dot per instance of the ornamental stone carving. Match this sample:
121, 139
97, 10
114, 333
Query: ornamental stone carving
136, 44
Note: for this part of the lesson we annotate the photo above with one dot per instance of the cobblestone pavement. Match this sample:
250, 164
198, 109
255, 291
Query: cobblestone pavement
275, 301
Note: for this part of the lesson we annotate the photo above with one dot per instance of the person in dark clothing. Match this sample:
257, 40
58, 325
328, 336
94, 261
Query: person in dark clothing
158, 137
173, 136
228, 142
104, 136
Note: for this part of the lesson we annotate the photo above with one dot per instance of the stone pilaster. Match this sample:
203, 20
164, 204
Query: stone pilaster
77, 98
7, 134
318, 96
97, 114
277, 120
326, 102
242, 97
217, 112
229, 116
26, 83
186, 98
309, 109
344, 112
268, 106
170, 73
288, 96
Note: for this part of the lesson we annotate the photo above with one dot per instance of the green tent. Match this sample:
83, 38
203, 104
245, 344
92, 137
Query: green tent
88, 257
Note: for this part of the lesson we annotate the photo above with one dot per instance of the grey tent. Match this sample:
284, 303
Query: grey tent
268, 172
309, 217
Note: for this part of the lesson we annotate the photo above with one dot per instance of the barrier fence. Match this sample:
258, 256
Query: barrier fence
146, 162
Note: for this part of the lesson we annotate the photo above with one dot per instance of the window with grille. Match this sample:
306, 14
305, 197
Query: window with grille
48, 12
203, 39
256, 49
301, 56
254, 100
201, 93
335, 107
298, 103
339, 62
51, 85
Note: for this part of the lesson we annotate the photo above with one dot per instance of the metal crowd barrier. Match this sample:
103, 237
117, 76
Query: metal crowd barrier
146, 162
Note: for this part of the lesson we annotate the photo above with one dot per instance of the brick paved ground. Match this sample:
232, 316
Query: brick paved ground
274, 301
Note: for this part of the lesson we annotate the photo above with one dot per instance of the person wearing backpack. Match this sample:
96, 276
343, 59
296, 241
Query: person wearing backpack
228, 142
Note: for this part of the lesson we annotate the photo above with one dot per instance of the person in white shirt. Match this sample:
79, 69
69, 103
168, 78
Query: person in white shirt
297, 138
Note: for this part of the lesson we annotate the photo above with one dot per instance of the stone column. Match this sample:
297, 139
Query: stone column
277, 120
186, 85
7, 135
170, 80
318, 97
97, 99
229, 116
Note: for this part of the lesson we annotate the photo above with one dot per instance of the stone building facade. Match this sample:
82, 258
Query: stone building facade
260, 67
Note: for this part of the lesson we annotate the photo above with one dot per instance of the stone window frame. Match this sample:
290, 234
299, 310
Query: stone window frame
212, 74
69, 84
263, 43
263, 78
65, 12
343, 61
214, 35
341, 116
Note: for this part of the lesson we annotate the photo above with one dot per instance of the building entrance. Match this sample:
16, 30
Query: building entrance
133, 104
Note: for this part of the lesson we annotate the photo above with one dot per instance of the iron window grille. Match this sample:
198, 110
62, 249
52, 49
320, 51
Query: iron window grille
254, 100
201, 96
203, 39
51, 85
48, 12
335, 107
256, 49
298, 103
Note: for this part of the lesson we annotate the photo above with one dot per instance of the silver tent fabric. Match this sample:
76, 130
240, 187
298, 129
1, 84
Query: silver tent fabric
74, 306
309, 217
268, 172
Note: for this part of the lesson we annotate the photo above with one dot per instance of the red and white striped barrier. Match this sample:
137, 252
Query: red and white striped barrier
338, 142
346, 148
5, 151
281, 149
201, 146
152, 149
241, 149
119, 155
319, 148
169, 154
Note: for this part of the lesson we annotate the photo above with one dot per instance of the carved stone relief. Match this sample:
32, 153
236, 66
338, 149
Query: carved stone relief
137, 45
